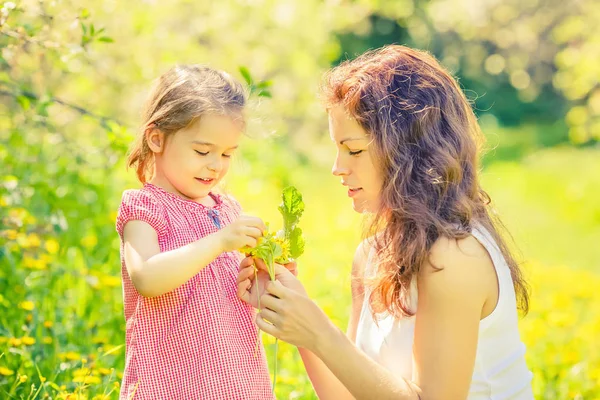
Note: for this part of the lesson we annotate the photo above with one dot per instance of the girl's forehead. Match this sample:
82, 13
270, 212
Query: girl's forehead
216, 129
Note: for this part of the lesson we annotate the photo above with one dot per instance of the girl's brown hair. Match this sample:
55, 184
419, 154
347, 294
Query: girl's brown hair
179, 97
426, 141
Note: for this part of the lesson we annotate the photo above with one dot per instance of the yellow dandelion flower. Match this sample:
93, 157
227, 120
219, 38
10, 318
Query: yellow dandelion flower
111, 281
88, 379
72, 356
52, 246
14, 342
81, 371
116, 384
47, 340
6, 372
27, 305
104, 371
48, 324
22, 378
285, 248
33, 240
89, 241
43, 379
27, 340
29, 318
10, 234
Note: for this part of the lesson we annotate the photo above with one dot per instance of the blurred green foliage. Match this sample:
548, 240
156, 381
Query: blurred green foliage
73, 76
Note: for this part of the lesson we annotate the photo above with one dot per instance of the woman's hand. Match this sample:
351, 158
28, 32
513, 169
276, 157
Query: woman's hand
293, 317
250, 288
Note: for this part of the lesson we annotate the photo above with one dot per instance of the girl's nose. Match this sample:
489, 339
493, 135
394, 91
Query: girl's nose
216, 165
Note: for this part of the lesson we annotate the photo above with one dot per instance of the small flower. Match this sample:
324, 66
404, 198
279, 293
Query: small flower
52, 246
6, 372
27, 340
27, 305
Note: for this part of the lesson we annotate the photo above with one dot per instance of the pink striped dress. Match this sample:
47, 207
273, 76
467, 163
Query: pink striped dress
198, 341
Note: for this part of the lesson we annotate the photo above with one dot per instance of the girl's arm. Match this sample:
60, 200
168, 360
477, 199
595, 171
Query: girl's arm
450, 307
154, 273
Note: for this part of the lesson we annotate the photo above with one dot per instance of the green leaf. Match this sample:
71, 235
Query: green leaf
291, 209
296, 242
24, 102
106, 39
85, 13
246, 75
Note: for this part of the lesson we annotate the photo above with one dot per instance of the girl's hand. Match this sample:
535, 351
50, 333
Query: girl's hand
242, 232
293, 317
247, 283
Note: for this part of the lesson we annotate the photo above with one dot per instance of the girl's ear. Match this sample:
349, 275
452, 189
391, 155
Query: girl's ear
155, 139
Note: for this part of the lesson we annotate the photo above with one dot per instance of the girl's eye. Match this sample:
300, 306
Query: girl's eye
355, 153
227, 155
201, 153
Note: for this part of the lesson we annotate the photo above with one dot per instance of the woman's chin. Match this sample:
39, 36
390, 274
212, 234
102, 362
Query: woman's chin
360, 206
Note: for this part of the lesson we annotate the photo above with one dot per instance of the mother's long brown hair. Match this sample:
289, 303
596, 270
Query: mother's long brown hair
426, 141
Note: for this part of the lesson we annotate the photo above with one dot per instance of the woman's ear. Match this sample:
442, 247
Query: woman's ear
155, 139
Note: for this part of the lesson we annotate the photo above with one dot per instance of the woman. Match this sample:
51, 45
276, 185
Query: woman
435, 289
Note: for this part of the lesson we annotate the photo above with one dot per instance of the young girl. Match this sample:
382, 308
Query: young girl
435, 289
187, 334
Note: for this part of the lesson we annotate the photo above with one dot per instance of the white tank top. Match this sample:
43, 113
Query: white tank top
500, 370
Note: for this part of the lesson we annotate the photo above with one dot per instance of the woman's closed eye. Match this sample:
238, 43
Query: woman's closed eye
201, 153
355, 153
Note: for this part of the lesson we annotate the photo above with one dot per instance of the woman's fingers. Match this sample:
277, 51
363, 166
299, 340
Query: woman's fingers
292, 267
245, 273
260, 264
276, 289
270, 302
246, 262
265, 326
271, 316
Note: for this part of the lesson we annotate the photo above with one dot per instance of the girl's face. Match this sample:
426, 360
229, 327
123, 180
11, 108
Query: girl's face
354, 162
193, 160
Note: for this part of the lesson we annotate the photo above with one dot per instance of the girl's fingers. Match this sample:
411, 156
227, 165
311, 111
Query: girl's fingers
265, 326
253, 232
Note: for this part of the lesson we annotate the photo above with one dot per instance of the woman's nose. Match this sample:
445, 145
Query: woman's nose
339, 169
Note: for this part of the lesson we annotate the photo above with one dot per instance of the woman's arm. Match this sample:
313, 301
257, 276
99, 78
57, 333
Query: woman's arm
154, 273
447, 322
325, 383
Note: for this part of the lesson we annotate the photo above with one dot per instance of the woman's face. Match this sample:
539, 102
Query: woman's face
354, 162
